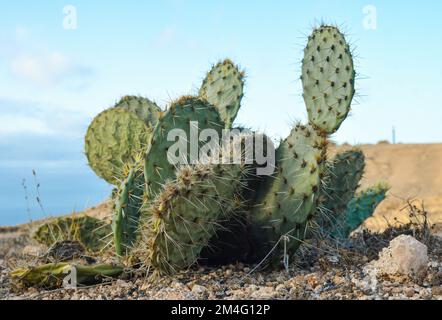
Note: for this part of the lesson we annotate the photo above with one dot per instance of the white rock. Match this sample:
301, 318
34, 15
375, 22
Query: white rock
199, 290
405, 255
34, 251
263, 293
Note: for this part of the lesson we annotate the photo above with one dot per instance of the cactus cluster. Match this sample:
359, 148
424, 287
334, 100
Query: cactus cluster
169, 215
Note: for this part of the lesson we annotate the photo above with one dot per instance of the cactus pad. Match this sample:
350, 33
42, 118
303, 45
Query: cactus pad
288, 199
52, 275
328, 78
89, 231
188, 213
223, 88
360, 208
158, 168
345, 171
126, 213
142, 107
113, 139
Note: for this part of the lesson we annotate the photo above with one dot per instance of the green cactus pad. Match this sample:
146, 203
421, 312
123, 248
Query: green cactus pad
345, 171
188, 213
89, 231
223, 87
142, 107
360, 208
288, 199
113, 139
158, 169
126, 212
51, 275
328, 78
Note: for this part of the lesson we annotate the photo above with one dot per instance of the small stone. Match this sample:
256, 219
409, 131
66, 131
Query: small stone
33, 251
199, 290
312, 281
338, 280
405, 255
280, 287
123, 284
228, 272
409, 292
396, 290
437, 291
263, 293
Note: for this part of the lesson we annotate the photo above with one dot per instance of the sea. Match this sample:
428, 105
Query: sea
31, 193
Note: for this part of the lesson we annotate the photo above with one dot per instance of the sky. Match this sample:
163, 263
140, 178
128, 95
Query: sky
63, 62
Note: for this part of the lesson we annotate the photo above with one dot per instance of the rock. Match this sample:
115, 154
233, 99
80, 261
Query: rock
437, 291
198, 290
338, 280
280, 287
123, 284
409, 292
405, 255
263, 293
33, 251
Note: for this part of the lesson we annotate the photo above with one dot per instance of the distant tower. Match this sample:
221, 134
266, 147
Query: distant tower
393, 132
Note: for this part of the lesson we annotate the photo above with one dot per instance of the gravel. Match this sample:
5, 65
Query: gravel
340, 276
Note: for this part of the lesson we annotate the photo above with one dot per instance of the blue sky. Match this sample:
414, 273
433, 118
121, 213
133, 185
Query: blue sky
53, 80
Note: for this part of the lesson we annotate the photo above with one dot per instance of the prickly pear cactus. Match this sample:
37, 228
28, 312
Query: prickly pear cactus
142, 107
113, 139
328, 78
186, 118
288, 198
359, 209
345, 171
187, 214
89, 231
223, 88
126, 212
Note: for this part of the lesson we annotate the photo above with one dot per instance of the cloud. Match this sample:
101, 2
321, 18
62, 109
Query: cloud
47, 69
12, 125
27, 118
